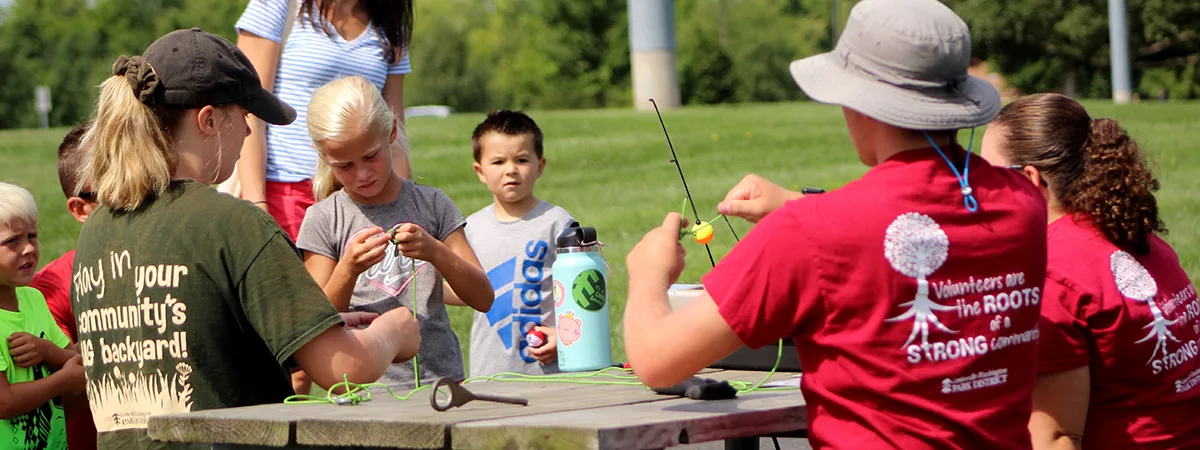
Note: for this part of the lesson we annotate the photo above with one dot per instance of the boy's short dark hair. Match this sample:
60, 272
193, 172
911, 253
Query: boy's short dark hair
508, 123
70, 160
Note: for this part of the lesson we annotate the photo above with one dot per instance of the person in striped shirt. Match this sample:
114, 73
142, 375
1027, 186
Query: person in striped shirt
328, 39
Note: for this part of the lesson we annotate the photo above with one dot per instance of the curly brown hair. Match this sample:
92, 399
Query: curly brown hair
1092, 166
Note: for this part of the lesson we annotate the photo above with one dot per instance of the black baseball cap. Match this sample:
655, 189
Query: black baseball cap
194, 68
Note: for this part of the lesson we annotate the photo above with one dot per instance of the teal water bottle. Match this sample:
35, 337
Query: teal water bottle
581, 302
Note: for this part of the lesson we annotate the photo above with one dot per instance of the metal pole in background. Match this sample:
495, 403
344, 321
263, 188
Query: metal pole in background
652, 53
1118, 37
41, 95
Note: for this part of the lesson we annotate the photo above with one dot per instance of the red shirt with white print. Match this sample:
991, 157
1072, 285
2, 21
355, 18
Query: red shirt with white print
915, 319
1135, 322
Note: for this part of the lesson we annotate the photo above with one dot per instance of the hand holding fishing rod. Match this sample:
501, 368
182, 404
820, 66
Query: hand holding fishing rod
659, 253
751, 199
686, 191
754, 197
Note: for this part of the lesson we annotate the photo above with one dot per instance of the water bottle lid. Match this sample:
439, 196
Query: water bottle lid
577, 236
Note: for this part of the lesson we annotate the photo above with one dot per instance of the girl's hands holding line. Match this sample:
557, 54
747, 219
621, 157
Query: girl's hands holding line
367, 248
414, 242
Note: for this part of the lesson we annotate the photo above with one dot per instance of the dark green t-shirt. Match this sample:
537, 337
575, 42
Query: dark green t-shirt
196, 301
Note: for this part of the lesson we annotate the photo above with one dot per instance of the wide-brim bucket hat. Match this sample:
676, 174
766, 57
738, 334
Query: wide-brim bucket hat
904, 63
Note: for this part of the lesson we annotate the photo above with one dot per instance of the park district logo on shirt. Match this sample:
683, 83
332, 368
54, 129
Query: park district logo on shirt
517, 284
916, 246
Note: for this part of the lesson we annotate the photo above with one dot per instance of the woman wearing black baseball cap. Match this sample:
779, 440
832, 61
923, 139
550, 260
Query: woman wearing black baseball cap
189, 299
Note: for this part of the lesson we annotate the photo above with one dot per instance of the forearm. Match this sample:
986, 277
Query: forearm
645, 309
252, 165
1060, 409
340, 287
1048, 434
450, 297
360, 355
1059, 441
56, 357
469, 283
25, 397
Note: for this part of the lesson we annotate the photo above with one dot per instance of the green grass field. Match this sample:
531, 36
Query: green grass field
612, 170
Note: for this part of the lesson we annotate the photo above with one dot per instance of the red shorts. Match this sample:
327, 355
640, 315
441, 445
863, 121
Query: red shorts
287, 203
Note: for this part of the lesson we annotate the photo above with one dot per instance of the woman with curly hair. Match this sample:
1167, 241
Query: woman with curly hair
1117, 357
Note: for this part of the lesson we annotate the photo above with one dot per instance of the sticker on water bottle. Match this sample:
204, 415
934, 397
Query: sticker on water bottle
559, 294
589, 290
570, 329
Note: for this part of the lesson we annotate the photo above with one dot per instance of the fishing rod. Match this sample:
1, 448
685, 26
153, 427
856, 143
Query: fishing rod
686, 191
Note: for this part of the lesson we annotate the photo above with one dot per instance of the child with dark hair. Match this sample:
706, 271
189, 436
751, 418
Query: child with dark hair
54, 280
514, 238
1117, 350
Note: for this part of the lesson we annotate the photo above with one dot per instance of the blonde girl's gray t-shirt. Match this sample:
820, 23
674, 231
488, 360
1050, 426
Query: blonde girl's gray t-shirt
328, 227
517, 257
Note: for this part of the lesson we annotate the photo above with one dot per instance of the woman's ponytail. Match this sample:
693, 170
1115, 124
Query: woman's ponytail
1094, 168
1117, 189
130, 158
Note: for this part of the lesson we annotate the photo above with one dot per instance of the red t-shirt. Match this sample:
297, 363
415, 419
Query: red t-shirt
54, 282
1143, 358
915, 319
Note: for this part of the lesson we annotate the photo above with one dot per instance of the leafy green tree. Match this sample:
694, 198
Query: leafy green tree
705, 68
1049, 45
46, 43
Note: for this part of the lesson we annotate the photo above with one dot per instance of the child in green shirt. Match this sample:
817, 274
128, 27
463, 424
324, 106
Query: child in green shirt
37, 366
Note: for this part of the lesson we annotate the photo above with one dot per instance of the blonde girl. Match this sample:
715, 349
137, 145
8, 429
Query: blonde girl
346, 248
188, 299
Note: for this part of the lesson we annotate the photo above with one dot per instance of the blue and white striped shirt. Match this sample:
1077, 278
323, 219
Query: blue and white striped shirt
310, 60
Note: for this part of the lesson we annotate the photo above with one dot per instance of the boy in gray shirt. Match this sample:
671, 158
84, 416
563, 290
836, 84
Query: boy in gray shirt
514, 239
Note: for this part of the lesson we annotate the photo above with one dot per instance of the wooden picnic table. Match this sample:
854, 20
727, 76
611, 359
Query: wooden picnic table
559, 415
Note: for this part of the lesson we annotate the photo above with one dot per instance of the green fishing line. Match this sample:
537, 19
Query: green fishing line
356, 393
610, 376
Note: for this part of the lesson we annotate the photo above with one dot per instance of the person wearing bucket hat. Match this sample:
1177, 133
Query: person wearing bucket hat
165, 294
913, 292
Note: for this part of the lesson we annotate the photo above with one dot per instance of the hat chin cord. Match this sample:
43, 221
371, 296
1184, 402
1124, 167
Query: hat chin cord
968, 196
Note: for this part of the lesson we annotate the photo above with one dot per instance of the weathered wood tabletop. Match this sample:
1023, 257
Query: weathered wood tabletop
559, 415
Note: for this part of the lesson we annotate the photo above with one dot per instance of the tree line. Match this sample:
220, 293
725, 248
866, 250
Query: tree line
476, 55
